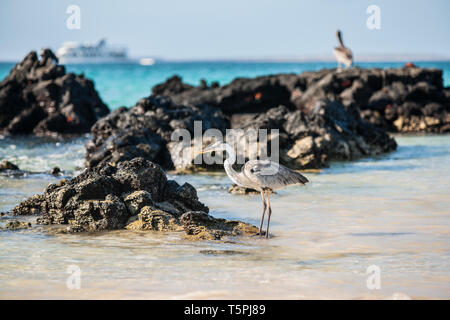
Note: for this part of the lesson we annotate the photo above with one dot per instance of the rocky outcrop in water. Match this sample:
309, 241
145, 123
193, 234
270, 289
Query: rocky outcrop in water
235, 189
135, 195
242, 95
38, 97
145, 131
200, 225
6, 165
16, 225
327, 133
11, 170
399, 100
406, 99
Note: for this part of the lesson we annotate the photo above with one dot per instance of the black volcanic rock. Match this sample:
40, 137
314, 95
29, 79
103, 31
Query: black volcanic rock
145, 131
39, 97
11, 170
200, 225
329, 132
397, 100
240, 95
6, 165
321, 116
307, 138
135, 195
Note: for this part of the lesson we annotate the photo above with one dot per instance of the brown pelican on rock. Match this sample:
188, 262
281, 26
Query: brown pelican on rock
343, 55
261, 175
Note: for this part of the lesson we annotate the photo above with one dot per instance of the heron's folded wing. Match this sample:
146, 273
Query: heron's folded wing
270, 174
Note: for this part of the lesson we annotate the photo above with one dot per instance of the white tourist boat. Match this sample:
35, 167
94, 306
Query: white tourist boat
101, 52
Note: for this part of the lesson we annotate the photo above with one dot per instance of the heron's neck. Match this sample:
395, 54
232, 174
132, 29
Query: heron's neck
230, 159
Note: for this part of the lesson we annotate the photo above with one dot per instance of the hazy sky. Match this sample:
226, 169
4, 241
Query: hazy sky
229, 29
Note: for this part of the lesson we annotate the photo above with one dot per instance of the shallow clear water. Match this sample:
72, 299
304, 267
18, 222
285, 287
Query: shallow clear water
124, 84
391, 211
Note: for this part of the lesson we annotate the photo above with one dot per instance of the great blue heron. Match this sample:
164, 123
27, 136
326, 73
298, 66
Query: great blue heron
261, 175
342, 54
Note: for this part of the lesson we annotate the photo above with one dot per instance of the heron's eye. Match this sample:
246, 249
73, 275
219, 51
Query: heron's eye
252, 170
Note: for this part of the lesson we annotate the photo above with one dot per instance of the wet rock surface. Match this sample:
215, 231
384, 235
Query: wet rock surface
200, 225
150, 218
38, 97
145, 131
17, 225
6, 165
11, 170
406, 99
316, 125
311, 140
135, 195
241, 95
235, 189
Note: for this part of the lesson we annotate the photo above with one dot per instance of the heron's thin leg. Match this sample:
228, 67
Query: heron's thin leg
269, 214
264, 212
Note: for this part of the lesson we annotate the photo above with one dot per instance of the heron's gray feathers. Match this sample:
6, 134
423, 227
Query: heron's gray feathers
272, 175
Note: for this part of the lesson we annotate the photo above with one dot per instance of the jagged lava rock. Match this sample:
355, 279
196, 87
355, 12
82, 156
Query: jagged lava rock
6, 165
200, 225
11, 170
399, 100
236, 189
39, 97
145, 131
241, 95
17, 225
99, 199
317, 115
328, 132
306, 140
402, 100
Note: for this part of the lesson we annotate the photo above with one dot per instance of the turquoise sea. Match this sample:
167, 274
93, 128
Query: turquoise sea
124, 84
388, 213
